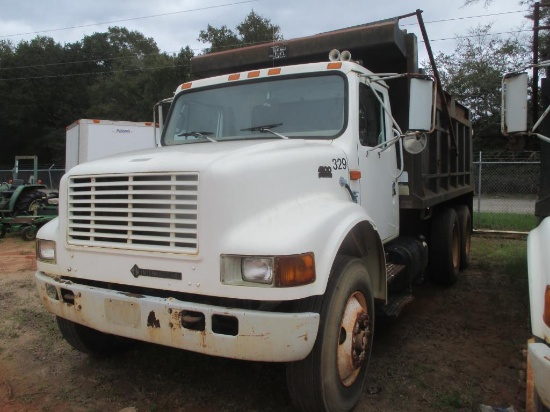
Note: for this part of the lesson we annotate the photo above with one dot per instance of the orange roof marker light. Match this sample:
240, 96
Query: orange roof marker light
334, 65
186, 86
255, 73
273, 72
233, 77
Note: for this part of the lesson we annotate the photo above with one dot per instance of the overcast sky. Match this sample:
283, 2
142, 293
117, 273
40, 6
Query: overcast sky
174, 24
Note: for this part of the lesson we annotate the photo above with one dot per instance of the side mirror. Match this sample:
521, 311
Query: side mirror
422, 92
514, 103
159, 116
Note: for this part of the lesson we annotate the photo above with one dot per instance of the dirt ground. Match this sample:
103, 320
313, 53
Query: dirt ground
450, 350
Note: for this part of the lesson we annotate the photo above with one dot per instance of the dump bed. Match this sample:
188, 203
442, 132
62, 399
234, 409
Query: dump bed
439, 173
443, 171
382, 46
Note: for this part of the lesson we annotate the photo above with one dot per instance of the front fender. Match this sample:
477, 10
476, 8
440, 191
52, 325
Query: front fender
49, 230
317, 223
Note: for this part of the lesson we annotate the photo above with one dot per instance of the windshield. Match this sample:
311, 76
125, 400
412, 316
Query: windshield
293, 107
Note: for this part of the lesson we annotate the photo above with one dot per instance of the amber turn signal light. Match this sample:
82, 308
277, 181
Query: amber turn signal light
294, 270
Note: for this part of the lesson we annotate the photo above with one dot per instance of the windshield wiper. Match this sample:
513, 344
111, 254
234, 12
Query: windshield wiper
198, 134
265, 129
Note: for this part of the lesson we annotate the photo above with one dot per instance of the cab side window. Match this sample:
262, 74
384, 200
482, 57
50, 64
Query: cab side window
372, 128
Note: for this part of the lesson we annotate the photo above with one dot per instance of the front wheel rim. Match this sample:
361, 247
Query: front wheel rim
353, 339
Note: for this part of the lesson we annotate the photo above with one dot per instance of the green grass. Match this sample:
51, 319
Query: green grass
506, 255
504, 221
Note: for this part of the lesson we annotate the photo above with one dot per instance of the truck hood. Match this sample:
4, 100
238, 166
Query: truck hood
190, 157
241, 198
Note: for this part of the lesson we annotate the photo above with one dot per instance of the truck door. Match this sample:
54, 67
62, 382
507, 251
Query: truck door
377, 162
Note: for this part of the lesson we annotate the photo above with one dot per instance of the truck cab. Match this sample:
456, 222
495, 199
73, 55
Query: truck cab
514, 124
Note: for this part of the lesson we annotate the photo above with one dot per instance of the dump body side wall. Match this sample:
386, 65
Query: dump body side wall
443, 171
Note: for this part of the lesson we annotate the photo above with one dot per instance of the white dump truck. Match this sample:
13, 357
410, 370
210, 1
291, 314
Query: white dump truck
514, 125
298, 192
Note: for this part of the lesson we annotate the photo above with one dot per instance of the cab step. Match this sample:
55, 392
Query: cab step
396, 303
392, 270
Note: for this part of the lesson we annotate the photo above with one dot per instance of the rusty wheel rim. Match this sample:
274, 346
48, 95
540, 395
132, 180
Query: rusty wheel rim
33, 208
353, 339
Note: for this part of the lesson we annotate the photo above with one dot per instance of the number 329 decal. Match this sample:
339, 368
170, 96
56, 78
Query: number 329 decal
339, 164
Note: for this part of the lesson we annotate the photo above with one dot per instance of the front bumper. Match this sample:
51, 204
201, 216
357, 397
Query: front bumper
539, 357
258, 336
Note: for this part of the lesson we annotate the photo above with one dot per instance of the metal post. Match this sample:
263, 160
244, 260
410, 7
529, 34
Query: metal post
535, 97
479, 185
440, 91
50, 175
542, 207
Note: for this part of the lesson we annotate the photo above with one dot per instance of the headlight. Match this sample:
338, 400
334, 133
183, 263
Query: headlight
273, 271
45, 250
257, 270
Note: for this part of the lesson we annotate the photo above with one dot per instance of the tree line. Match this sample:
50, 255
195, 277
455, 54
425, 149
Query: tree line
117, 75
120, 74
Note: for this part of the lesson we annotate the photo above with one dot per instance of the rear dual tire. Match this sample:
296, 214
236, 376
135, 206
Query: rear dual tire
444, 250
450, 243
465, 225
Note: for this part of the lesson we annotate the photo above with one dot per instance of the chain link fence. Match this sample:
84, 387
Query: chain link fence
47, 175
506, 183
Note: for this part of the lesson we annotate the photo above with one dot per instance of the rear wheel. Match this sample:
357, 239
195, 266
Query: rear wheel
465, 225
444, 250
332, 377
29, 203
91, 341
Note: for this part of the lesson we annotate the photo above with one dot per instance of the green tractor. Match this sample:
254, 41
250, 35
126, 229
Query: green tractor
24, 208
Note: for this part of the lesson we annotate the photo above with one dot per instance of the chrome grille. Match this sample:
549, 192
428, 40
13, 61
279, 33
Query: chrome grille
150, 212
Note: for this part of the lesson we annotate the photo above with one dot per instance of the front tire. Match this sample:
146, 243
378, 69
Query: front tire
90, 341
333, 376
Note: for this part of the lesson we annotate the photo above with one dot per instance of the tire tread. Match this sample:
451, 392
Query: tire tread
442, 269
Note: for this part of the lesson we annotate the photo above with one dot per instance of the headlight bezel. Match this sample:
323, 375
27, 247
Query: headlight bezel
279, 271
46, 250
